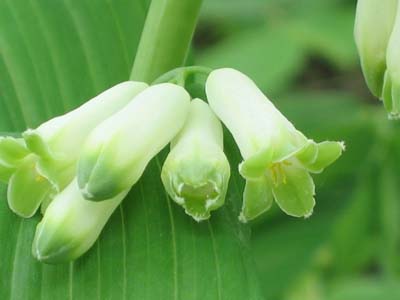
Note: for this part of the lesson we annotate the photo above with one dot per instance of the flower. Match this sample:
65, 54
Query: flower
58, 142
373, 28
391, 86
12, 153
196, 171
44, 161
277, 157
118, 150
71, 225
26, 188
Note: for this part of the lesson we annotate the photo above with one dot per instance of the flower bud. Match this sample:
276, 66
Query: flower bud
277, 157
71, 225
196, 171
118, 150
58, 141
373, 27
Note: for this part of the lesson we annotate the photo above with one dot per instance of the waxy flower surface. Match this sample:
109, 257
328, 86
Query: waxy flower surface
373, 28
277, 157
119, 149
196, 171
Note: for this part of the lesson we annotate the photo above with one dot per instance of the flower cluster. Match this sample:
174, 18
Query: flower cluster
377, 35
79, 167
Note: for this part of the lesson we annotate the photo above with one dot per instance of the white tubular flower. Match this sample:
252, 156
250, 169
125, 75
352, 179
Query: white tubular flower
118, 150
277, 157
71, 225
391, 87
196, 171
373, 27
58, 141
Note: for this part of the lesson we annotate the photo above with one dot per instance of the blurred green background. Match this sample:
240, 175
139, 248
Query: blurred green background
302, 54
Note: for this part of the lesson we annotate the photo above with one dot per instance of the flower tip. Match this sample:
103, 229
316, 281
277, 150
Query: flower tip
48, 256
36, 143
197, 200
309, 214
47, 248
242, 218
342, 145
198, 217
394, 116
86, 193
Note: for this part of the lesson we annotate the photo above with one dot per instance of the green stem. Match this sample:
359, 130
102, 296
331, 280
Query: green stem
166, 38
182, 72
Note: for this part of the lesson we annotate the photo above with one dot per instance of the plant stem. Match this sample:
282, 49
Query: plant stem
166, 38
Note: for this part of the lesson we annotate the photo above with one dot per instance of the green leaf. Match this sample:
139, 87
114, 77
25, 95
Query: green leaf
56, 55
365, 289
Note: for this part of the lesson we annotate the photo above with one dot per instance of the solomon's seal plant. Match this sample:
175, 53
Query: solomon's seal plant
107, 143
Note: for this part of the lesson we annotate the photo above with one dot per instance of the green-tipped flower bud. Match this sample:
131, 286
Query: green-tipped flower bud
373, 27
277, 157
391, 87
58, 141
71, 225
118, 150
196, 171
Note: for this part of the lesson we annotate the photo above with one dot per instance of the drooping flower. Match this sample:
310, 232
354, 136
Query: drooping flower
391, 87
44, 161
196, 171
277, 157
71, 225
118, 150
58, 142
373, 28
26, 187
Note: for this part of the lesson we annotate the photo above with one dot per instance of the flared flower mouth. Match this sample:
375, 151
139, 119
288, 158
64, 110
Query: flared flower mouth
199, 199
196, 172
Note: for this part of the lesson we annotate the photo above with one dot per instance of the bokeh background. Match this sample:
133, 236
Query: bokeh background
302, 54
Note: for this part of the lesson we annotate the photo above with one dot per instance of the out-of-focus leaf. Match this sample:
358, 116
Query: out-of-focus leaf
388, 195
268, 56
54, 56
283, 251
329, 33
352, 243
362, 289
